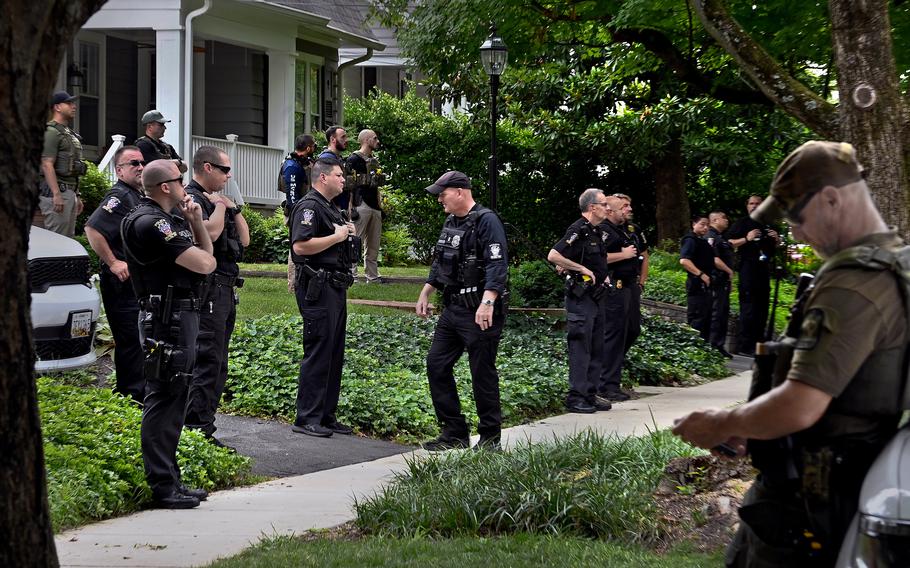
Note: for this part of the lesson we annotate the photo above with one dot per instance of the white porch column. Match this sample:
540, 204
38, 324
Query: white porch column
281, 99
169, 86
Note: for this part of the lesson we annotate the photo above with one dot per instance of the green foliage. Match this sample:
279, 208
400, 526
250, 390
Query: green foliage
92, 188
384, 390
94, 261
527, 551
535, 284
93, 456
587, 486
268, 237
396, 245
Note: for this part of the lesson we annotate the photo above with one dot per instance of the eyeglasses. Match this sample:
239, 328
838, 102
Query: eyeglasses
134, 163
794, 215
180, 180
602, 204
224, 169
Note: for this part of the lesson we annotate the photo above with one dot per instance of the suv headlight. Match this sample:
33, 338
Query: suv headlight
882, 543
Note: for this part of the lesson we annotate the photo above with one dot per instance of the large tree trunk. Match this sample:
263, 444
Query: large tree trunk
32, 39
870, 113
672, 203
873, 115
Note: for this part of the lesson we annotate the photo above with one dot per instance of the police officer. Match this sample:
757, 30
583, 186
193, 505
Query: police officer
367, 178
624, 265
721, 278
61, 167
471, 268
583, 253
167, 272
152, 145
294, 177
755, 245
636, 236
323, 247
229, 233
827, 395
103, 232
337, 142
697, 257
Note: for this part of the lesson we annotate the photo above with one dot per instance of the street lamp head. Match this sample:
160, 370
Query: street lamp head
493, 54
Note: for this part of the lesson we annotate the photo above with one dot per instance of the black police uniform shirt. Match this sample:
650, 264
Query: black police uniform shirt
368, 193
637, 237
155, 239
114, 207
585, 244
697, 250
225, 264
155, 149
751, 251
488, 240
625, 270
722, 247
315, 216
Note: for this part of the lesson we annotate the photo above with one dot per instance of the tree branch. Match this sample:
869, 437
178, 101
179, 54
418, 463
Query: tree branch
767, 74
684, 68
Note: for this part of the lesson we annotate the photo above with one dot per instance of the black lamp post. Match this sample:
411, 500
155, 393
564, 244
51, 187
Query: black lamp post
493, 55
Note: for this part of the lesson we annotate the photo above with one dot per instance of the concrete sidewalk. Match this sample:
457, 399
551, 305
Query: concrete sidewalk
233, 520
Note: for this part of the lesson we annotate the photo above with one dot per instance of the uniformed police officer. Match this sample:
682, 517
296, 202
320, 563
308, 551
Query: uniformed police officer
471, 268
721, 279
151, 144
827, 395
167, 272
230, 234
755, 245
583, 253
624, 266
120, 304
697, 257
636, 236
364, 167
324, 247
61, 167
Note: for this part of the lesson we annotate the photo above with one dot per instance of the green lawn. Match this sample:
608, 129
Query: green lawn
416, 271
524, 551
265, 296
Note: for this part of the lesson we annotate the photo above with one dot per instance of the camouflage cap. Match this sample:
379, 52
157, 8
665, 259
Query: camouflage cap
807, 170
153, 116
450, 179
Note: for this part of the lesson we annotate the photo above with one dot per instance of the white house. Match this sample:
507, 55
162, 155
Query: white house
263, 70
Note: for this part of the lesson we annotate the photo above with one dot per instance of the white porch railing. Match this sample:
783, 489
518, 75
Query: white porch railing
107, 162
254, 167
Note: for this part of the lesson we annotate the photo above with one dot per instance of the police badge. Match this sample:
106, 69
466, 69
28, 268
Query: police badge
308, 215
456, 240
111, 204
495, 251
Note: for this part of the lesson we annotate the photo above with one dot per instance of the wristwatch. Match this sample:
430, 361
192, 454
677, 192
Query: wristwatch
488, 302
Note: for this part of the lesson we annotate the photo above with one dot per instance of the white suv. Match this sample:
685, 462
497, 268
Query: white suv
65, 302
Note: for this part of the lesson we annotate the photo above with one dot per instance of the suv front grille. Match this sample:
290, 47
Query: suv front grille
53, 349
46, 272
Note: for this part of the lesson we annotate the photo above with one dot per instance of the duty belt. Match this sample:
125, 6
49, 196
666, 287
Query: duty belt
228, 281
153, 303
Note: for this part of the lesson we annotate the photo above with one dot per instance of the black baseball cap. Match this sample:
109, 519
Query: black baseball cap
61, 97
451, 178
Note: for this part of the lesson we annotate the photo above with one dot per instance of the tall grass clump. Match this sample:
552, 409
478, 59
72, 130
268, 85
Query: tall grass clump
587, 485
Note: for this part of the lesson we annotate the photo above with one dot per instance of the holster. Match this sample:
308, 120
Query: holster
314, 284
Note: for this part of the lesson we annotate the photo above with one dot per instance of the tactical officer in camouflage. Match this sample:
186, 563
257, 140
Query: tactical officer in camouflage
828, 395
471, 268
61, 168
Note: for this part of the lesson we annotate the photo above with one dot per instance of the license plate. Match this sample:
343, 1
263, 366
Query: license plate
81, 324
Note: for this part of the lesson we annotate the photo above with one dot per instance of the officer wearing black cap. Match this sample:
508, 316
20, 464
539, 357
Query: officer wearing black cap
120, 305
583, 253
323, 247
167, 271
151, 145
471, 268
61, 167
230, 234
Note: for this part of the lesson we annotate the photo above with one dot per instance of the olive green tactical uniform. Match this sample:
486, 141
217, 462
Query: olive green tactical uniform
851, 345
65, 146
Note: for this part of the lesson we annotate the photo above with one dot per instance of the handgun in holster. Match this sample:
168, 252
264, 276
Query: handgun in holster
317, 281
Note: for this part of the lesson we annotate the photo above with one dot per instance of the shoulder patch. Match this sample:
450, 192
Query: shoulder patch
811, 330
495, 251
165, 229
111, 204
572, 238
308, 215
